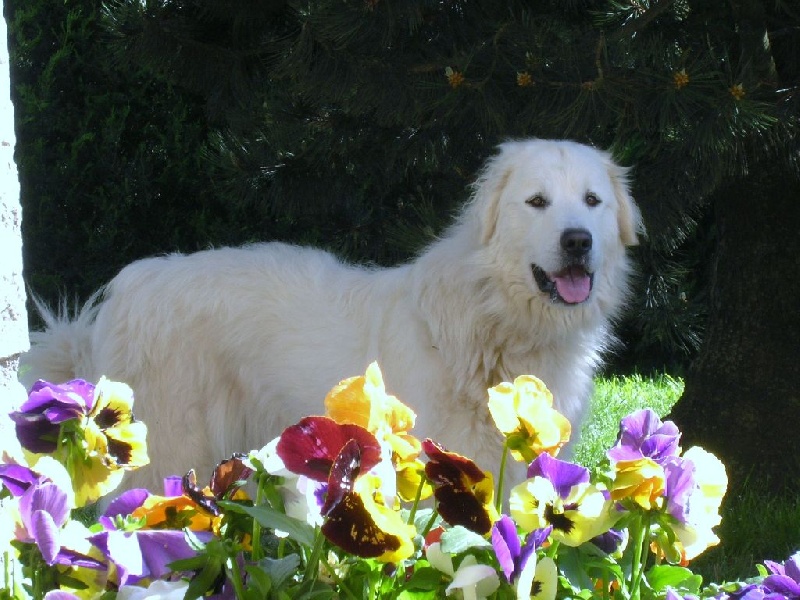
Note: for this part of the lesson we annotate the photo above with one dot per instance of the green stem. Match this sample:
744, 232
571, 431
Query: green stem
423, 480
236, 577
498, 501
342, 589
257, 553
312, 566
642, 533
430, 522
6, 571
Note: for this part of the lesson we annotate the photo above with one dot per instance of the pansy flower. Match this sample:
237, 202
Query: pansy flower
784, 578
695, 486
642, 434
523, 411
363, 401
559, 494
464, 493
355, 521
146, 553
89, 429
474, 581
144, 532
302, 496
161, 590
39, 418
44, 506
783, 583
226, 482
343, 455
531, 578
311, 446
641, 481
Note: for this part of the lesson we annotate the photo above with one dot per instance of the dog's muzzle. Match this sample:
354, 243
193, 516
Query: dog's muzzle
573, 283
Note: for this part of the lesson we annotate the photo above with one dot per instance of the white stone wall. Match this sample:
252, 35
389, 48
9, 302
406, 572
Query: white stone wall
13, 317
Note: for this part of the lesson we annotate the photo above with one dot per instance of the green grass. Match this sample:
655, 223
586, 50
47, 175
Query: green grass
756, 525
616, 397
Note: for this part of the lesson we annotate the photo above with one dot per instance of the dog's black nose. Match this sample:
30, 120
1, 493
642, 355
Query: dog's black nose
576, 243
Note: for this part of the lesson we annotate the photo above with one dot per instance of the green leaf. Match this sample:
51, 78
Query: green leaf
662, 576
280, 570
299, 531
459, 539
418, 595
259, 581
205, 579
426, 578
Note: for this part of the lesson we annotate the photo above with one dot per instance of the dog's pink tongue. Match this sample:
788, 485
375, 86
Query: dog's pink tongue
574, 285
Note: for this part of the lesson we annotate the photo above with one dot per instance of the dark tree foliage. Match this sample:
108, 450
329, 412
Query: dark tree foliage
110, 158
358, 125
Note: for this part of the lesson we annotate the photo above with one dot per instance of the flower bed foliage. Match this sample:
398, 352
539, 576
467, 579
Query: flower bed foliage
351, 505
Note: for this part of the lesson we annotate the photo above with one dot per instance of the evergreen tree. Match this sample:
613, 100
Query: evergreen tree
110, 158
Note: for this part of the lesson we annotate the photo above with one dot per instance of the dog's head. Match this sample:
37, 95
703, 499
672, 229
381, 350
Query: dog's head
562, 211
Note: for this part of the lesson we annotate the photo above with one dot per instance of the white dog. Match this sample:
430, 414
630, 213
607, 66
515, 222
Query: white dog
225, 348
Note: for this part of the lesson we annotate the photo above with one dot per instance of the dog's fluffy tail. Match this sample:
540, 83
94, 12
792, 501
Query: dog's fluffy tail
63, 350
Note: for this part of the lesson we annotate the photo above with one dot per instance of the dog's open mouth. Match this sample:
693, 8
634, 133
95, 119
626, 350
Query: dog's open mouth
571, 285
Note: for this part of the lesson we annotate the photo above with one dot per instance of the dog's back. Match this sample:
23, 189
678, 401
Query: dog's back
216, 345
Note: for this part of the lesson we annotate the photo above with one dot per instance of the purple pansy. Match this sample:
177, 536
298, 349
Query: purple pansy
44, 510
144, 553
511, 555
642, 434
563, 475
785, 578
16, 478
122, 506
610, 541
782, 584
48, 405
680, 483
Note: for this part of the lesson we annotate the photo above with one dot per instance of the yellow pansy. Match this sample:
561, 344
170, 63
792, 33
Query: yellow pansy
523, 411
363, 401
641, 480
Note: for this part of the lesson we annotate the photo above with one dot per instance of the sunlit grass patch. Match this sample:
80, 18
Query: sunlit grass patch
615, 397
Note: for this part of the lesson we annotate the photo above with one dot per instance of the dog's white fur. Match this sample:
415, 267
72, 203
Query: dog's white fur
225, 348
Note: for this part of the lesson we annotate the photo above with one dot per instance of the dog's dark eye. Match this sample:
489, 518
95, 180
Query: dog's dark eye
592, 199
537, 201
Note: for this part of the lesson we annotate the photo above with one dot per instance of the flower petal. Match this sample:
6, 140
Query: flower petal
127, 445
44, 496
439, 560
17, 478
76, 395
310, 447
127, 502
563, 475
505, 542
473, 575
465, 494
642, 434
545, 583
159, 548
44, 532
361, 526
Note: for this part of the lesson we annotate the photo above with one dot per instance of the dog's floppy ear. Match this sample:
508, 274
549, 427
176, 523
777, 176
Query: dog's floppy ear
629, 218
486, 197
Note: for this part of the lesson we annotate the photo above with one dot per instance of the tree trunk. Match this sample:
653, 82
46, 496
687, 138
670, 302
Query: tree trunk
13, 317
742, 394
